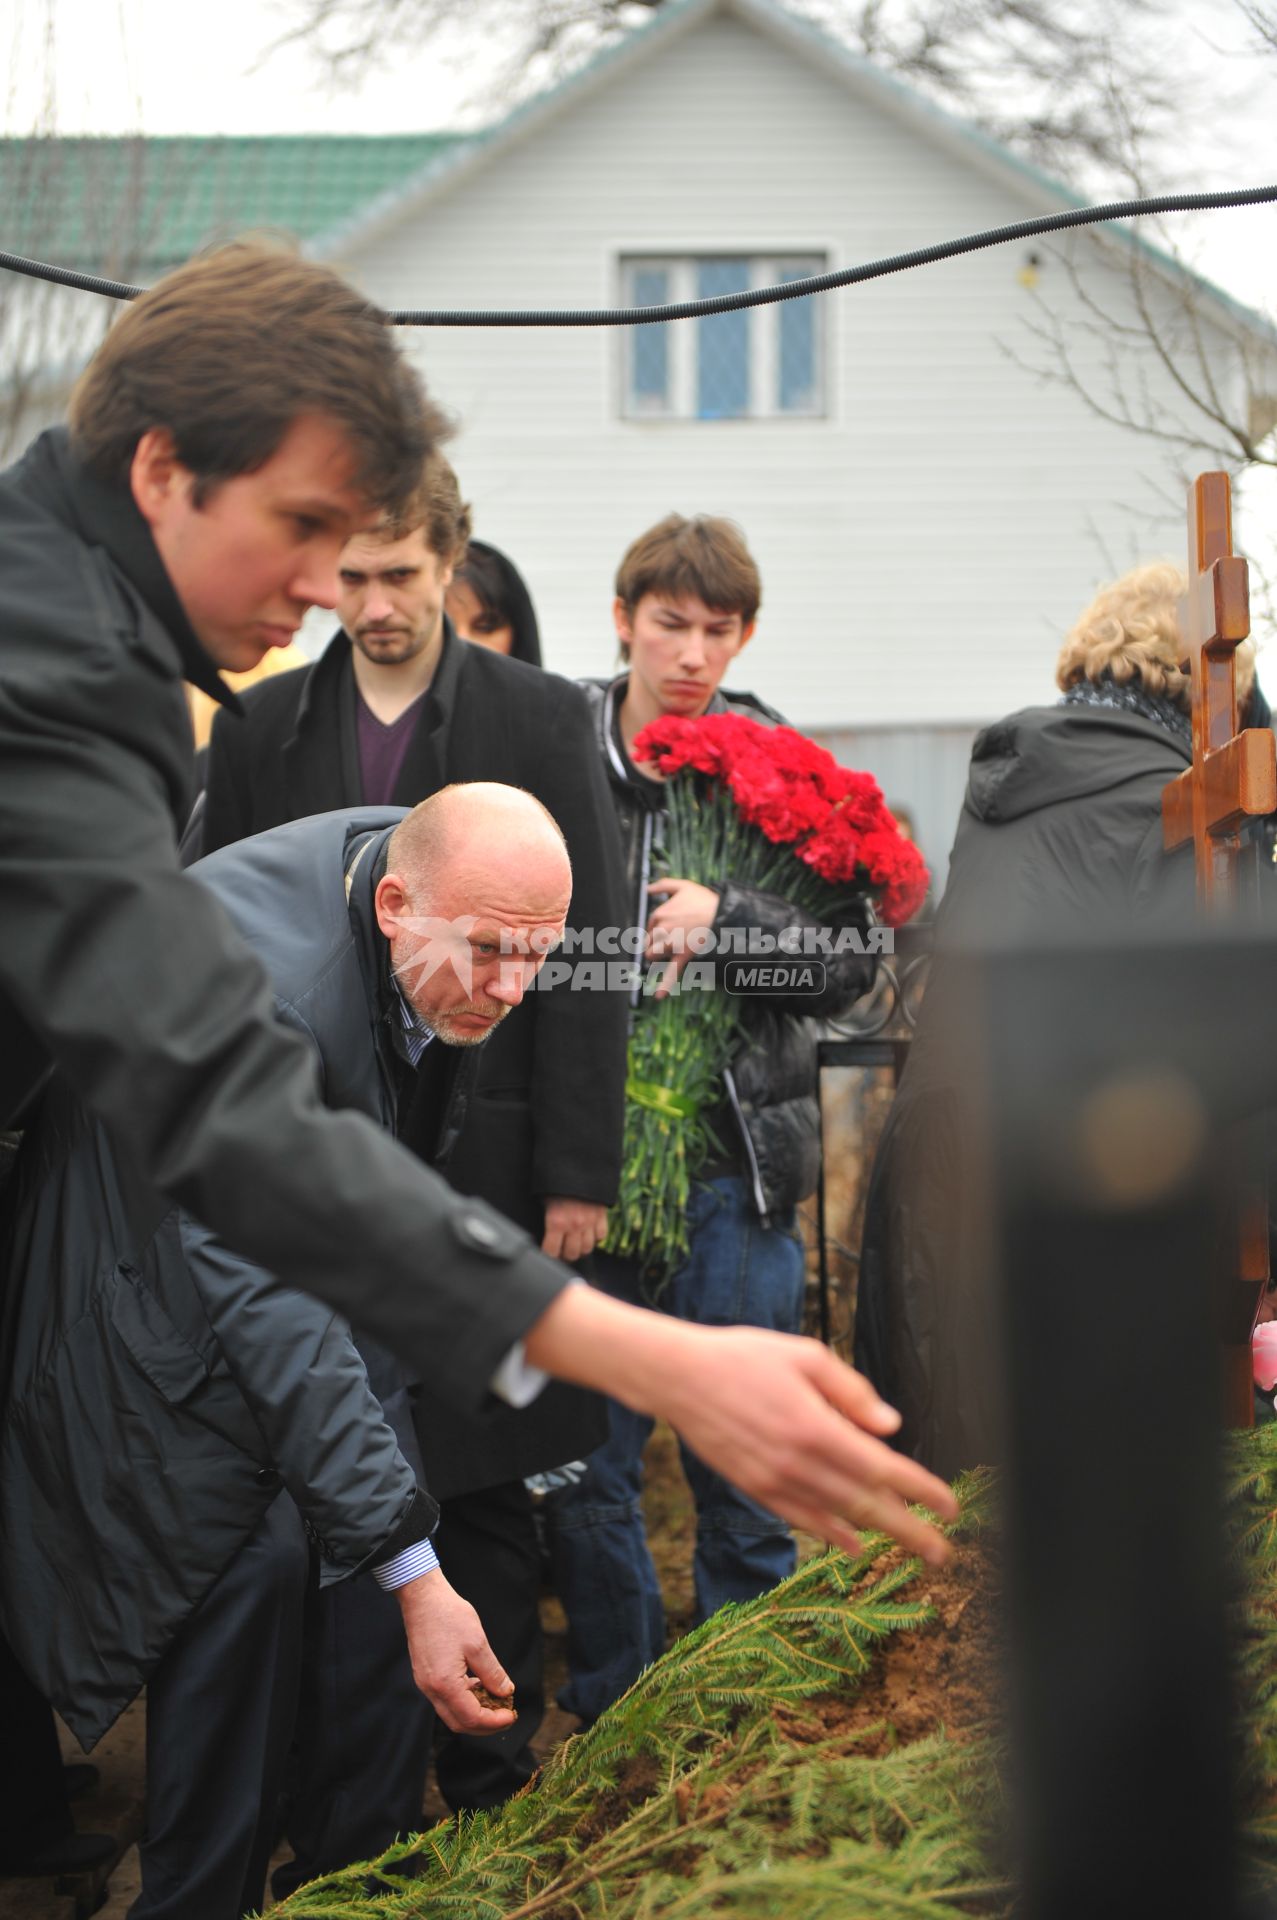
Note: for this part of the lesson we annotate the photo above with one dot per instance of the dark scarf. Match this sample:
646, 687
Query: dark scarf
1128, 696
422, 1091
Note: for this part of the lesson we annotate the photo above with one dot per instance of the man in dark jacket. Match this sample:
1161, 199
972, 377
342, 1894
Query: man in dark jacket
396, 708
138, 1336
1062, 821
215, 468
687, 596
214, 471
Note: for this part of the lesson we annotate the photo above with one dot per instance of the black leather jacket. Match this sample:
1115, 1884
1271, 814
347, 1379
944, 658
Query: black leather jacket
770, 1086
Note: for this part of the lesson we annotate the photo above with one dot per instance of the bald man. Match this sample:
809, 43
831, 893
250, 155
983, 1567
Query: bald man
474, 894
166, 1392
228, 1432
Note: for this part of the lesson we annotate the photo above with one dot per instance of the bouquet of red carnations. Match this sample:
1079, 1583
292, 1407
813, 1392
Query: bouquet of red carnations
772, 811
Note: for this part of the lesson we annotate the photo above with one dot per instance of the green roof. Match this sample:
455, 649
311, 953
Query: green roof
124, 206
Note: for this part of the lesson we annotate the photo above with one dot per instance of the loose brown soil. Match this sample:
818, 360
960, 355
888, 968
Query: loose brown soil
945, 1676
639, 1778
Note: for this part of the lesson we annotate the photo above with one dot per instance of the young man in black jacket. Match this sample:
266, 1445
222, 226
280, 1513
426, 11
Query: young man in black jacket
687, 596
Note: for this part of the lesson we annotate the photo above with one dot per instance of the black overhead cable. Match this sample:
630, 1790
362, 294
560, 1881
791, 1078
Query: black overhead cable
732, 302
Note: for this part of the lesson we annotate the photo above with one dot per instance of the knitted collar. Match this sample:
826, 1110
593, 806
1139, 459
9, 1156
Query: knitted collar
1129, 697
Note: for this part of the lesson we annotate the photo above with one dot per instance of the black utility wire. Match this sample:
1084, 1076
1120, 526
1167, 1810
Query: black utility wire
732, 302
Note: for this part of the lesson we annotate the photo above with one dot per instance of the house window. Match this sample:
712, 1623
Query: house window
756, 363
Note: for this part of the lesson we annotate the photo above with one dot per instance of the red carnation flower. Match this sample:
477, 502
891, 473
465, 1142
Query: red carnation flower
897, 869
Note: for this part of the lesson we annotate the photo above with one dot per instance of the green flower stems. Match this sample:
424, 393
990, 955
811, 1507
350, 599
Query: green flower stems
680, 1045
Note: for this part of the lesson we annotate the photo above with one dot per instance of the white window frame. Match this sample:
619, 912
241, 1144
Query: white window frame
765, 270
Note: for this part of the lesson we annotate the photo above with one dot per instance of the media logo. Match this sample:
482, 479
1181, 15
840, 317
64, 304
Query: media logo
761, 979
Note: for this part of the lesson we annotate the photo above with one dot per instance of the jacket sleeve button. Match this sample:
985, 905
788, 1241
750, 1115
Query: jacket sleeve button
267, 1477
480, 1232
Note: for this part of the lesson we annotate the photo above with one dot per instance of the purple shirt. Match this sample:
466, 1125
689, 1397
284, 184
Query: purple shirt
382, 749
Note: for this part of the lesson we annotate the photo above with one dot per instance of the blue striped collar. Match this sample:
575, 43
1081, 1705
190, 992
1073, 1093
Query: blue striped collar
416, 1034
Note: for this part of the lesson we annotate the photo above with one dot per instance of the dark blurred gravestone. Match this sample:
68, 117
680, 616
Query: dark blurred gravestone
1117, 1073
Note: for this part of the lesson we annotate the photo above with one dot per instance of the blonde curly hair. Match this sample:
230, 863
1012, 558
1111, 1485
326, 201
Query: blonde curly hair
1131, 632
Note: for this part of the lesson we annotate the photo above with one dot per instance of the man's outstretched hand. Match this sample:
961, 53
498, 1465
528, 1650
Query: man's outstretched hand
779, 1417
789, 1424
451, 1657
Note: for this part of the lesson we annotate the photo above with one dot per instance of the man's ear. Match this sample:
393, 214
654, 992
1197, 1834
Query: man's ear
390, 902
624, 626
747, 631
156, 476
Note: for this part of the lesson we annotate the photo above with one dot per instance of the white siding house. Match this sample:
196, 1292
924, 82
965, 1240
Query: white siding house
929, 512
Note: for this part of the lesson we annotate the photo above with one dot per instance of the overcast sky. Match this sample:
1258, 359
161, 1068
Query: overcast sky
169, 66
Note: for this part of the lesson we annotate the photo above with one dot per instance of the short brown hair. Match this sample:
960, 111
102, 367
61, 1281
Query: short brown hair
704, 556
226, 353
435, 506
1131, 631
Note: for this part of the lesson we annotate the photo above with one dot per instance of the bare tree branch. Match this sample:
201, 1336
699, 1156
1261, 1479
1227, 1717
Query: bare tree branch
1077, 71
1263, 19
1169, 328
347, 35
57, 191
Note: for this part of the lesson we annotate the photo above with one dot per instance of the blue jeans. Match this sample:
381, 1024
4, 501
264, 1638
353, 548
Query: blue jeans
736, 1274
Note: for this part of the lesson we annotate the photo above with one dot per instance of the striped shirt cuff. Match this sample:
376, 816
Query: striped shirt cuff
409, 1565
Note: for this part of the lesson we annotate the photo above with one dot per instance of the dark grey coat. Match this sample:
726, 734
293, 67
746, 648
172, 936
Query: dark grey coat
1062, 816
134, 982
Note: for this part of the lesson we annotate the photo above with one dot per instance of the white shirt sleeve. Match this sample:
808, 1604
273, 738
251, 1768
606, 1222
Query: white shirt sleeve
516, 1381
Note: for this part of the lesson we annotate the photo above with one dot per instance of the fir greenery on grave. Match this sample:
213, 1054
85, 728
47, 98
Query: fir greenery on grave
723, 1784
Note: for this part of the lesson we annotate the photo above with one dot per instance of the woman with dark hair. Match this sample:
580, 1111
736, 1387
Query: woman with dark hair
489, 604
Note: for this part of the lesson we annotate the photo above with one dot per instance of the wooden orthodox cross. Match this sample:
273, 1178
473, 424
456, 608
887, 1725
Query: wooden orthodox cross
1233, 775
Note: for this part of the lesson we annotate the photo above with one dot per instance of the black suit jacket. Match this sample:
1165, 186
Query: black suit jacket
547, 1111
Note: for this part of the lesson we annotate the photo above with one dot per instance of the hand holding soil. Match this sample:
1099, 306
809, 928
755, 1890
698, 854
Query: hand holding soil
496, 1703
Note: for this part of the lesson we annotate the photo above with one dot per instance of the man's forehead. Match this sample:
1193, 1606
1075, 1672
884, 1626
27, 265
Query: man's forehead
316, 463
341, 506
519, 920
689, 606
491, 871
371, 551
